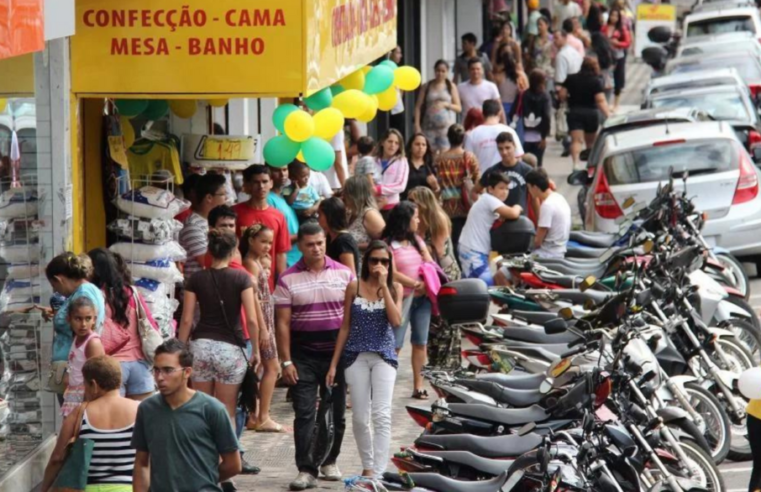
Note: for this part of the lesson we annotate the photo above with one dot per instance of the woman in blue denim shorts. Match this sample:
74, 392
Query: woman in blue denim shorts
120, 337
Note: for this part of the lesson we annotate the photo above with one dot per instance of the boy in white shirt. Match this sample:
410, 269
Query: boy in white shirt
554, 224
475, 240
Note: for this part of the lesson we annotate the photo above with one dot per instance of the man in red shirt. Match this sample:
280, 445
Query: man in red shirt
257, 183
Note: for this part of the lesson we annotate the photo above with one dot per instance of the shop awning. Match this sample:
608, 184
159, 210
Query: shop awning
206, 48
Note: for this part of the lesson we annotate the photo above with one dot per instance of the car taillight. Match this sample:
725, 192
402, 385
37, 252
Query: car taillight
419, 418
755, 89
754, 139
605, 204
747, 185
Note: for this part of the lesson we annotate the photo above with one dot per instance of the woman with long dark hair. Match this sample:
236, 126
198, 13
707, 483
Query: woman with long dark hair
506, 76
365, 221
410, 252
121, 338
437, 106
394, 170
342, 247
620, 40
420, 157
373, 308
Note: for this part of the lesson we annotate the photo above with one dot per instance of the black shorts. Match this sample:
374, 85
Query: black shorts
583, 119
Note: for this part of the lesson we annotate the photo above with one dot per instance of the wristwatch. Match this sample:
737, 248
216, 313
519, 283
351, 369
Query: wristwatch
286, 363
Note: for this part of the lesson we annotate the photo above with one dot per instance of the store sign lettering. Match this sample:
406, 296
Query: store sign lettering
356, 17
175, 19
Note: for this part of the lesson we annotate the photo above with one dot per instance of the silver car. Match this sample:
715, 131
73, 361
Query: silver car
722, 179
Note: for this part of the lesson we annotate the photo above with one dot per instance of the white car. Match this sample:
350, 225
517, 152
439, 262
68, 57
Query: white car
720, 21
693, 80
722, 179
743, 41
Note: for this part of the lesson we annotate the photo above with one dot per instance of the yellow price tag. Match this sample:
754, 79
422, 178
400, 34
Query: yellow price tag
215, 149
117, 151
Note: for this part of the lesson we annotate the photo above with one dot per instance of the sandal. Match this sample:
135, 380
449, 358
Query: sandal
270, 426
420, 394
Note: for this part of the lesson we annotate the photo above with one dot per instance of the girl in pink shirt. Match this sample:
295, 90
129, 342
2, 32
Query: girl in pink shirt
394, 170
410, 252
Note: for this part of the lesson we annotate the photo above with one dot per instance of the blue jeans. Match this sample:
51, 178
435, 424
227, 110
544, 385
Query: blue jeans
416, 311
137, 378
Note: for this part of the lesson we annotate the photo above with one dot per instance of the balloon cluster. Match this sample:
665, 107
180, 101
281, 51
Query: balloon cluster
155, 109
359, 95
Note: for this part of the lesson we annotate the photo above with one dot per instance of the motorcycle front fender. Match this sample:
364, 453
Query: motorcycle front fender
671, 414
726, 311
720, 332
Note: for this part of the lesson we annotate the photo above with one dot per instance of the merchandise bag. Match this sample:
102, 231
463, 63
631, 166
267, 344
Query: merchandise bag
324, 430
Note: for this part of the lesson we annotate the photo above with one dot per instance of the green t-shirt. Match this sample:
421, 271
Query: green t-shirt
184, 444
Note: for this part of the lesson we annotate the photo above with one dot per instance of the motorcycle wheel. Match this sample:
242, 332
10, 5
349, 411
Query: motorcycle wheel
717, 428
738, 359
743, 304
735, 273
701, 468
748, 335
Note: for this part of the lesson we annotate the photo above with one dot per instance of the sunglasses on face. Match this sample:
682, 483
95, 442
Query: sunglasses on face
379, 261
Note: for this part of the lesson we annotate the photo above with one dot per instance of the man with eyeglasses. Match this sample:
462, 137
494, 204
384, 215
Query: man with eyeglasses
209, 192
184, 439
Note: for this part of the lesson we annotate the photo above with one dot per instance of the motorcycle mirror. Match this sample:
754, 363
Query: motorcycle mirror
566, 313
589, 305
628, 203
587, 283
546, 386
526, 429
555, 326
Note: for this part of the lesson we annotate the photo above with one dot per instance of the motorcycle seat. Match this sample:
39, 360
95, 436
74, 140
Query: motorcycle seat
585, 253
576, 268
488, 447
440, 483
483, 465
536, 335
514, 397
579, 297
561, 279
514, 381
556, 348
593, 239
506, 416
537, 317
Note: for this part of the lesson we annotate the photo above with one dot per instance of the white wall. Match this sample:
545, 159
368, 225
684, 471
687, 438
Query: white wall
443, 22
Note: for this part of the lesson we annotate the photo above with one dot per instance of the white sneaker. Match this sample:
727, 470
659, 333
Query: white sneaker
331, 473
303, 481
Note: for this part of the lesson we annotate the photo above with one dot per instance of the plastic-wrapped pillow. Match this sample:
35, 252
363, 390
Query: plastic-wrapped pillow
160, 270
153, 290
153, 231
139, 252
22, 271
19, 203
22, 288
151, 202
19, 254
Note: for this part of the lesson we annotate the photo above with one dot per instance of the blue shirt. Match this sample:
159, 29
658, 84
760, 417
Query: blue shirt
64, 336
279, 203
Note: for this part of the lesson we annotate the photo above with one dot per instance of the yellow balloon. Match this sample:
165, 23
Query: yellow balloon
183, 108
355, 80
371, 112
351, 103
300, 157
366, 69
3, 105
218, 103
299, 126
387, 99
327, 123
128, 131
407, 78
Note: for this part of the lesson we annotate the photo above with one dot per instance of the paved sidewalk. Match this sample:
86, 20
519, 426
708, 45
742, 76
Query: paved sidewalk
274, 453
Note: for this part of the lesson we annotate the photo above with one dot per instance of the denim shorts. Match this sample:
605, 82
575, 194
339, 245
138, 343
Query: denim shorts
416, 311
136, 378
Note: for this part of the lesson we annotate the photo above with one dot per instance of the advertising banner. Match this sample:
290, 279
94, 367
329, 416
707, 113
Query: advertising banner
22, 28
174, 48
648, 17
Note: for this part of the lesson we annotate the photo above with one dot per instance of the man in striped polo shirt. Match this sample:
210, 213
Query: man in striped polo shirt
310, 308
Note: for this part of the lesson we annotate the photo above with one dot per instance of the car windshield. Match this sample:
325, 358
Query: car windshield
655, 163
693, 84
719, 105
746, 66
720, 25
717, 48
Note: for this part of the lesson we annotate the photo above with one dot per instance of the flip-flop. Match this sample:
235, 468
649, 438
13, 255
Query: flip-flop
277, 429
420, 394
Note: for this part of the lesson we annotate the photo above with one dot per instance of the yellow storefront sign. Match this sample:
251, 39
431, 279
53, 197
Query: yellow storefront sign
17, 76
176, 48
648, 12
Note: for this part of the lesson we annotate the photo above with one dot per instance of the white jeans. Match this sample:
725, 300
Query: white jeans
372, 388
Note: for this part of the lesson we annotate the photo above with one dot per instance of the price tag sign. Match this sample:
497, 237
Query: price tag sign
221, 151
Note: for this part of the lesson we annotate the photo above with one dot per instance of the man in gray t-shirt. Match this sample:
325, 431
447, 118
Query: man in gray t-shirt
182, 434
461, 72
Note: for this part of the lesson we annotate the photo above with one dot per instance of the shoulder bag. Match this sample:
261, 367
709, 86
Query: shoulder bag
150, 338
249, 389
73, 474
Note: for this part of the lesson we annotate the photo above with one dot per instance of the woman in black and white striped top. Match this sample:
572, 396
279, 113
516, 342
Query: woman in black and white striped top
108, 420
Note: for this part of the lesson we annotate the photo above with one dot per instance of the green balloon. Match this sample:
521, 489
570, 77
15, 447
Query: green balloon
319, 100
378, 79
280, 114
281, 151
157, 109
318, 154
389, 63
336, 89
131, 107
